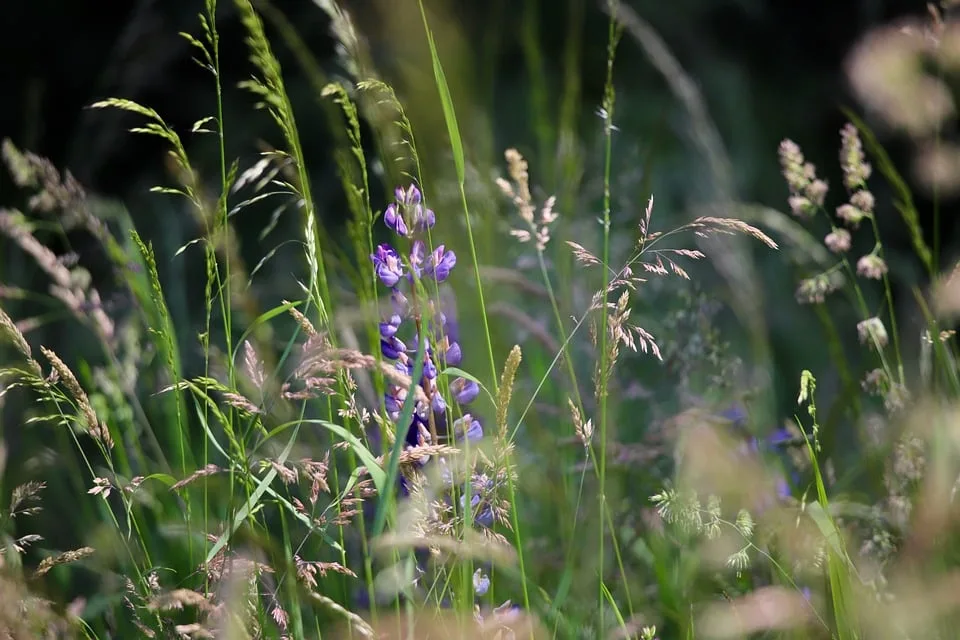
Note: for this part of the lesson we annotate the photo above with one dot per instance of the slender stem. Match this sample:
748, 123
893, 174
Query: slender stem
608, 106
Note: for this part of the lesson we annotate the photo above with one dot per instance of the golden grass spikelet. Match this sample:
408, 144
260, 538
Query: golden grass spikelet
505, 391
730, 226
73, 386
63, 558
302, 320
178, 599
357, 624
208, 470
9, 329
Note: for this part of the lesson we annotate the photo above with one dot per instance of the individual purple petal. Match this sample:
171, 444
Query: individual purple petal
389, 329
423, 218
388, 266
417, 253
411, 197
393, 218
391, 403
453, 356
392, 348
464, 391
437, 403
484, 516
468, 426
780, 436
481, 583
429, 369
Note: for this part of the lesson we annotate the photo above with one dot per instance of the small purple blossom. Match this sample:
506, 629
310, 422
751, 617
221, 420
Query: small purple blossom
423, 218
388, 266
389, 329
393, 218
453, 355
481, 583
464, 391
468, 427
392, 348
441, 263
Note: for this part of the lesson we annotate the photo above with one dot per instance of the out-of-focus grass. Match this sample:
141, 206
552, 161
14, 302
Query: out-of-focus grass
632, 480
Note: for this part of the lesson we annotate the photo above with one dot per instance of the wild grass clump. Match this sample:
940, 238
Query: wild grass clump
495, 417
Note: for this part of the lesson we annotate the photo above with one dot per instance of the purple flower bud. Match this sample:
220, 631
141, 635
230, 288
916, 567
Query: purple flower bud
387, 263
389, 329
423, 218
393, 218
452, 357
392, 348
468, 426
441, 263
481, 583
464, 391
409, 198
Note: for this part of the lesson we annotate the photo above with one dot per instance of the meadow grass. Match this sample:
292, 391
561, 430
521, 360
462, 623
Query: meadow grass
550, 438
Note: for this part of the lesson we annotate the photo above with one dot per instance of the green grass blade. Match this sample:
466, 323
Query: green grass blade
403, 425
254, 499
446, 100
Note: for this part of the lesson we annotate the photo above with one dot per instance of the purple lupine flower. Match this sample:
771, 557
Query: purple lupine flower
441, 263
480, 508
464, 391
468, 427
481, 583
393, 218
387, 263
484, 516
